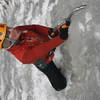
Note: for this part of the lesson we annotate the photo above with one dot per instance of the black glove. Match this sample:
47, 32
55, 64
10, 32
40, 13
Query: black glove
64, 30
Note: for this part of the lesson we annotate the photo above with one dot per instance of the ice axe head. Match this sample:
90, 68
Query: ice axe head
74, 11
79, 8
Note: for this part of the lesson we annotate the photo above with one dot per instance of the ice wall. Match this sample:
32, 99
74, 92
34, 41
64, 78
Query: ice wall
79, 56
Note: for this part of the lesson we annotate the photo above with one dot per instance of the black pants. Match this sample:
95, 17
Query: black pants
56, 78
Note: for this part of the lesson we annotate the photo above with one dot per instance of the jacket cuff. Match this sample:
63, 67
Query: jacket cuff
64, 34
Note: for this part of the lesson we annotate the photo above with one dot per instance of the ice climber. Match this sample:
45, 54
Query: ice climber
35, 44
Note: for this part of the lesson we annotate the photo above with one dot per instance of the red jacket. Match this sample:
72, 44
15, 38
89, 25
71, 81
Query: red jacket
35, 44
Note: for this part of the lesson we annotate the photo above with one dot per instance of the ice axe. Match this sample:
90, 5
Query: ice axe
70, 16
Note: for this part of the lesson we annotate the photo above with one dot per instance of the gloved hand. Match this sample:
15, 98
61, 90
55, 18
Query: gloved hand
64, 30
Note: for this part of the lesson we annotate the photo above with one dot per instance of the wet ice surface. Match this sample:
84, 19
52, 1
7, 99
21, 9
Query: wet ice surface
80, 58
